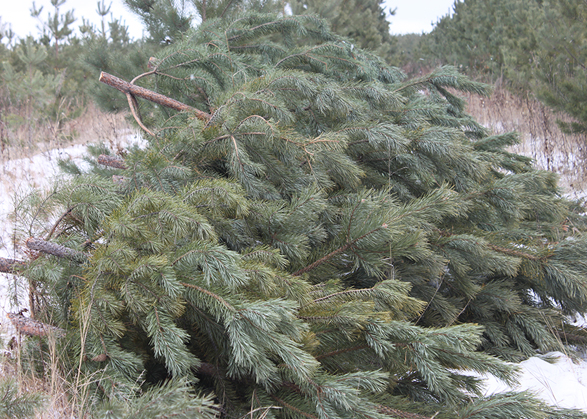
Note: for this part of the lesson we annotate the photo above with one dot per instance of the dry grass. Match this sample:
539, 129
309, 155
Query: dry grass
541, 137
92, 126
51, 384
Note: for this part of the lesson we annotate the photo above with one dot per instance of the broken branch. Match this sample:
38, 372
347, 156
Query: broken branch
111, 161
10, 266
128, 88
55, 249
30, 327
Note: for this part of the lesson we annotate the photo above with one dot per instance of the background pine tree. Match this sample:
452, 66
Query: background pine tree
534, 47
322, 238
365, 22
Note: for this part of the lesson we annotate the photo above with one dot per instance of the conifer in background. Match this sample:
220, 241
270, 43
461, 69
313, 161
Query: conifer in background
561, 69
363, 21
534, 47
317, 236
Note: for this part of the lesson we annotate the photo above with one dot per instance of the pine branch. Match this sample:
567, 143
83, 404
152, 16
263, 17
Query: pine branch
293, 408
134, 90
504, 250
111, 161
571, 337
10, 266
400, 414
118, 180
342, 351
30, 327
335, 252
516, 253
54, 249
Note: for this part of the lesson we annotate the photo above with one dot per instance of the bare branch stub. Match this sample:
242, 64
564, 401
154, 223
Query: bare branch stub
10, 266
111, 161
55, 249
134, 90
30, 327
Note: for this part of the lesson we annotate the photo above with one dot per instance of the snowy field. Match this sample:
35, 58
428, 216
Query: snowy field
561, 383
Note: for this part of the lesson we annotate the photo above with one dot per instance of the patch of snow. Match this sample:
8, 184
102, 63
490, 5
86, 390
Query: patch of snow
561, 383
19, 177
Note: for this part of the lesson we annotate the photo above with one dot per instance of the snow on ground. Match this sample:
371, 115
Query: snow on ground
562, 383
554, 377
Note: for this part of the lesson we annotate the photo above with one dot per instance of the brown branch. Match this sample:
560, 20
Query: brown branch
342, 351
134, 109
293, 408
128, 88
10, 266
321, 260
211, 294
30, 327
400, 414
65, 214
111, 161
512, 252
208, 369
54, 249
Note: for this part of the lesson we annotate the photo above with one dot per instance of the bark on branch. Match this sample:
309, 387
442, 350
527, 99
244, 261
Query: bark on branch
111, 161
134, 90
30, 327
396, 413
55, 249
10, 266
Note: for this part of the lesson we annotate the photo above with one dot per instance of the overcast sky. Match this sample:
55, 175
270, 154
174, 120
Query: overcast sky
412, 16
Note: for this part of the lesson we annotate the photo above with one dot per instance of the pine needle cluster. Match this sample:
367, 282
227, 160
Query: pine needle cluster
331, 239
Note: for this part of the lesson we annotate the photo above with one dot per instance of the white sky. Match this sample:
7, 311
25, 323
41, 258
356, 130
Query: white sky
412, 16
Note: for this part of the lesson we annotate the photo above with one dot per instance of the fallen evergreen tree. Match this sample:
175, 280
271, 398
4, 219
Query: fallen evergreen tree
312, 236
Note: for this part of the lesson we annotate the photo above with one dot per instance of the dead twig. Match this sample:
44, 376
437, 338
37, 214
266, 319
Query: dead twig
55, 249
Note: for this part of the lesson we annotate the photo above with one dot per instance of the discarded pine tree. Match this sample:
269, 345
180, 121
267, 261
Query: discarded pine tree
334, 241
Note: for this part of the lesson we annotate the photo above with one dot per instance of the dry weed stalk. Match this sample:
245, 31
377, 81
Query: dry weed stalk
541, 138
